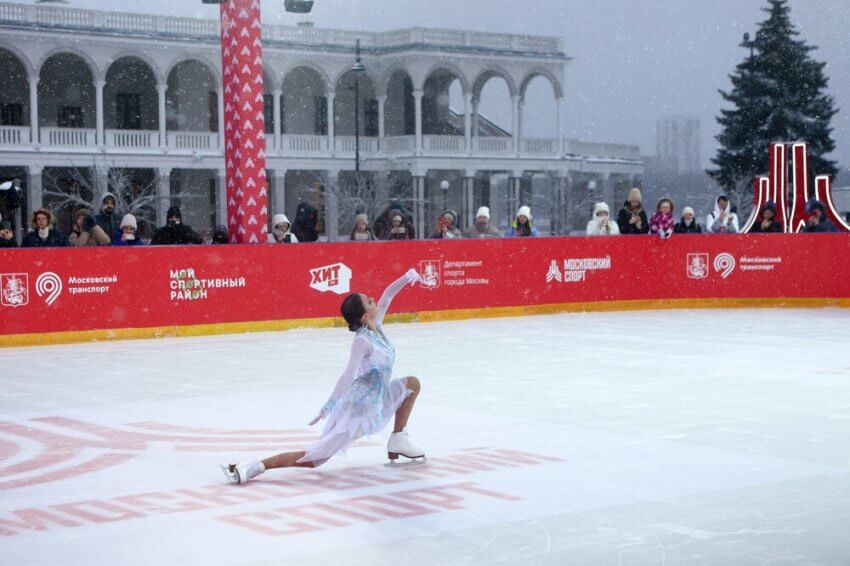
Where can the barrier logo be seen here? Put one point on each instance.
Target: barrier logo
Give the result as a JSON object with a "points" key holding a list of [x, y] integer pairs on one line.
{"points": [[334, 278], [697, 266], [431, 274], [724, 264], [14, 289], [49, 284]]}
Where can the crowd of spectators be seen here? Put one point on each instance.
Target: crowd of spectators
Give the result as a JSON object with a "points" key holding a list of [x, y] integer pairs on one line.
{"points": [[110, 227]]}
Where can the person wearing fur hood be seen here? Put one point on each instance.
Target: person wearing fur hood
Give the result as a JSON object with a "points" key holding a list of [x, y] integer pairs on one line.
{"points": [[722, 220], [662, 222], [601, 223], [281, 231], [43, 234]]}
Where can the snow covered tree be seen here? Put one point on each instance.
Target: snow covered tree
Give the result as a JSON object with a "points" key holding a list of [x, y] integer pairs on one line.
{"points": [[778, 94]]}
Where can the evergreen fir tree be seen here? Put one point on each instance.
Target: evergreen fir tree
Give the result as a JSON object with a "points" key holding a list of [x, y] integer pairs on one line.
{"points": [[777, 95]]}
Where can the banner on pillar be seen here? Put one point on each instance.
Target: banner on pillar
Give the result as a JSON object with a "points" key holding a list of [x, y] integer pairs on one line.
{"points": [[244, 123]]}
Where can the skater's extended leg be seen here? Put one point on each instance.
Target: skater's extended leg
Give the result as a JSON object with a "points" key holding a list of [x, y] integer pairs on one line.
{"points": [[287, 460], [403, 412]]}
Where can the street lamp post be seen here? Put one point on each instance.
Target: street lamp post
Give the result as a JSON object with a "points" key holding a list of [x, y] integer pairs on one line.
{"points": [[358, 69], [444, 185]]}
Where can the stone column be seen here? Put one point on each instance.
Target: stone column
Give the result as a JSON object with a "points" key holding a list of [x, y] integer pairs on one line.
{"points": [[161, 90], [277, 120], [418, 182], [98, 97], [163, 192], [382, 102], [278, 192], [220, 96], [331, 145], [34, 109], [34, 191], [417, 96], [515, 100], [469, 193], [221, 198], [559, 109], [467, 121], [331, 210]]}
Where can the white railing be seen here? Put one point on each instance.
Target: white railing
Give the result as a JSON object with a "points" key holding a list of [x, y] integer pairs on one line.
{"points": [[68, 137], [346, 144], [494, 145], [132, 139], [395, 145], [444, 144], [539, 146], [196, 141], [291, 143], [62, 16], [15, 135], [610, 150]]}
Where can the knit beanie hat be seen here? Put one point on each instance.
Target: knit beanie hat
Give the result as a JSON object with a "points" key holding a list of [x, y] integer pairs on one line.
{"points": [[129, 220], [600, 206], [687, 210], [635, 192], [524, 211], [483, 211]]}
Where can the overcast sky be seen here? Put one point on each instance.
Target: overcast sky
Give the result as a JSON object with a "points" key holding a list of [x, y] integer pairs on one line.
{"points": [[634, 62]]}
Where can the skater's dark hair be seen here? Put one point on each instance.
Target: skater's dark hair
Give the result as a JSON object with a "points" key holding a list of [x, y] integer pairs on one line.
{"points": [[352, 310]]}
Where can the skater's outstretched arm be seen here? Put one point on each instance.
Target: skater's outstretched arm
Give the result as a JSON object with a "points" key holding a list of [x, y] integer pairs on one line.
{"points": [[359, 349], [410, 277]]}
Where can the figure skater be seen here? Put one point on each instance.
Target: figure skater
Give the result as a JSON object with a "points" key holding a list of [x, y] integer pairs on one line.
{"points": [[365, 397]]}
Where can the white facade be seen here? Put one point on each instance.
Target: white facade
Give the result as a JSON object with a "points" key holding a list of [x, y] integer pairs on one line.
{"points": [[144, 92]]}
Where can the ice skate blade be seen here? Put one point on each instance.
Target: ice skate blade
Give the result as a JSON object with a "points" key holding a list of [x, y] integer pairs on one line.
{"points": [[411, 462], [232, 477]]}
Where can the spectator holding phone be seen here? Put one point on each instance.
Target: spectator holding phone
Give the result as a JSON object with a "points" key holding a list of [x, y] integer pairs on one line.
{"points": [[632, 219]]}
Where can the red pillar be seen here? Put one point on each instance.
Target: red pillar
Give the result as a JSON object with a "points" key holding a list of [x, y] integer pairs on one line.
{"points": [[244, 126]]}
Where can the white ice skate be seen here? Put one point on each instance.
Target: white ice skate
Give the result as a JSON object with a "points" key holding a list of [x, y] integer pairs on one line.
{"points": [[400, 445], [243, 471]]}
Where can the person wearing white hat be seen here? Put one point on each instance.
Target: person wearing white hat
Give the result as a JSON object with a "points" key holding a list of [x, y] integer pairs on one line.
{"points": [[128, 235], [601, 223], [281, 233], [482, 227], [522, 227]]}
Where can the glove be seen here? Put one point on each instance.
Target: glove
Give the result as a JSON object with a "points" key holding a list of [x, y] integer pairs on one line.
{"points": [[323, 412], [412, 276], [88, 223]]}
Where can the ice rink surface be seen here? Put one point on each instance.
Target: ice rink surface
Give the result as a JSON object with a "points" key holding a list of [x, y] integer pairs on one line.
{"points": [[686, 437]]}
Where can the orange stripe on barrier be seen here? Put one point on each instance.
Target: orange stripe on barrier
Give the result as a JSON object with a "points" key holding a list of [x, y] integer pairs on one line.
{"points": [[52, 338]]}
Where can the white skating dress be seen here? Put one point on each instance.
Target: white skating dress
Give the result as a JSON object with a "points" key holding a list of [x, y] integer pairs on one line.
{"points": [[365, 397]]}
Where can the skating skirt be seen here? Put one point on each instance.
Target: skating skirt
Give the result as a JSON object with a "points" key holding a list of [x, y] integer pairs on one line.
{"points": [[365, 408]]}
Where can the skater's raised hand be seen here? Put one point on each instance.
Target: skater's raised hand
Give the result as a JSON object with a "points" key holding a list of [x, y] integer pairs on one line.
{"points": [[413, 276]]}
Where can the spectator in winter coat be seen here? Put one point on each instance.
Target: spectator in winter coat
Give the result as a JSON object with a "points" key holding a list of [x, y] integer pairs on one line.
{"points": [[361, 231], [632, 219], [447, 227], [722, 220], [818, 222], [522, 226], [662, 222], [688, 224], [10, 199], [601, 223], [175, 232], [482, 227], [7, 235], [304, 227], [281, 233], [108, 218], [128, 234], [399, 229], [219, 235], [382, 224], [85, 232], [766, 222], [43, 234]]}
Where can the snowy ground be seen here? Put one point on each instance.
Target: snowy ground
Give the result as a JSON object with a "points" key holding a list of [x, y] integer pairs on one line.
{"points": [[705, 437]]}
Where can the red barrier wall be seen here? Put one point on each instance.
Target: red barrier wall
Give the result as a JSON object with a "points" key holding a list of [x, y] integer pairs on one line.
{"points": [[74, 290]]}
